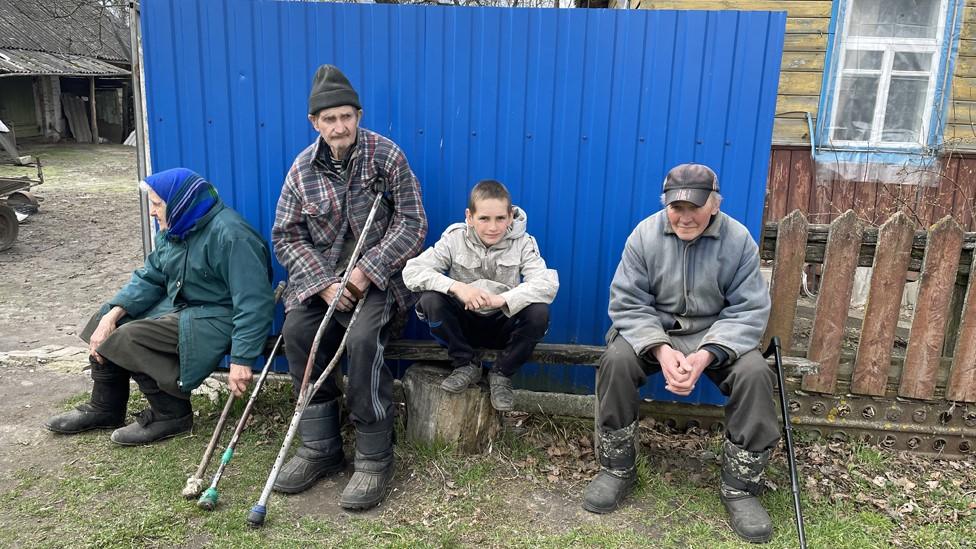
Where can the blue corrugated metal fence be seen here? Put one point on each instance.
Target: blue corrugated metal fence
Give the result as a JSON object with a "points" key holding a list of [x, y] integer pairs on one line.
{"points": [[579, 112]]}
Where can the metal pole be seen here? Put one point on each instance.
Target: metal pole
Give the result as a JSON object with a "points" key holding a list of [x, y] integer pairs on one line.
{"points": [[142, 147]]}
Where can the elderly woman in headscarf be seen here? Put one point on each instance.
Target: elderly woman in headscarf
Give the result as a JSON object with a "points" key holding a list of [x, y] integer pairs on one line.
{"points": [[204, 292]]}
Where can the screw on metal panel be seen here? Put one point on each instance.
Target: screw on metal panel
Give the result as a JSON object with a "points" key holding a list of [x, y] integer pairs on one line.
{"points": [[794, 406], [893, 414], [888, 441], [914, 442], [970, 419], [965, 447], [868, 412], [939, 444], [918, 416], [818, 408], [945, 418], [843, 410]]}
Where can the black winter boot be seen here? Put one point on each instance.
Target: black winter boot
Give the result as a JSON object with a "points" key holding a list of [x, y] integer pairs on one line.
{"points": [[742, 473], [618, 473], [166, 417], [106, 407], [319, 455], [374, 467]]}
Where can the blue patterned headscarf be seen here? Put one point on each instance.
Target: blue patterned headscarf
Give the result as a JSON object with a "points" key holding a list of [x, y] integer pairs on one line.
{"points": [[188, 197]]}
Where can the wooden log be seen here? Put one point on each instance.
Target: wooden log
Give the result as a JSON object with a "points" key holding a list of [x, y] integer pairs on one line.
{"points": [[465, 420], [785, 285], [883, 307], [928, 326], [834, 301], [962, 378]]}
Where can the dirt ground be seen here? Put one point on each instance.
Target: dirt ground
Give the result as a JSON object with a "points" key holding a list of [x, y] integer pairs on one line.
{"points": [[69, 258]]}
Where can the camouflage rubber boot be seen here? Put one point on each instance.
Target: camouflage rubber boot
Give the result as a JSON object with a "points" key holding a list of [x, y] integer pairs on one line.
{"points": [[320, 454], [502, 396], [618, 474], [461, 378], [742, 473]]}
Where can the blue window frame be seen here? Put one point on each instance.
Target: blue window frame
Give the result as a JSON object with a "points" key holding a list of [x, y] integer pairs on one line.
{"points": [[887, 76]]}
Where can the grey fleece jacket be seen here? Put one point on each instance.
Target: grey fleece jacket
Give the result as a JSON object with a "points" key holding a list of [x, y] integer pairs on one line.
{"points": [[689, 294], [512, 268]]}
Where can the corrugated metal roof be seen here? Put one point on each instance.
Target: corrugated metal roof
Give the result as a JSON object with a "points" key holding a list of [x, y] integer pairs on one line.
{"points": [[75, 27], [31, 63], [582, 136]]}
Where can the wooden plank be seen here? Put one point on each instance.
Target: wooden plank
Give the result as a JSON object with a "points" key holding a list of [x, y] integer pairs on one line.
{"points": [[807, 25], [791, 132], [791, 244], [967, 47], [806, 42], [961, 137], [928, 203], [966, 66], [962, 112], [74, 110], [546, 353], [800, 83], [885, 201], [778, 190], [962, 209], [842, 199], [804, 61], [962, 377], [811, 8], [817, 236], [796, 106], [967, 32], [833, 302], [801, 178], [963, 88], [883, 307], [92, 109], [863, 204], [928, 327]]}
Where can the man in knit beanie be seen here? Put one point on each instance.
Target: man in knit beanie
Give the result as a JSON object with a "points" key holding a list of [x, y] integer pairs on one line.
{"points": [[324, 203]]}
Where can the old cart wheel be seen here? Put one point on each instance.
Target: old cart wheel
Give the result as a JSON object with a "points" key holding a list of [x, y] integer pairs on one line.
{"points": [[8, 227]]}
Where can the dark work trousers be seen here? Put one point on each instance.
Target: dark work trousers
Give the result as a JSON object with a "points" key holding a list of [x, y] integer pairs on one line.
{"points": [[461, 331], [148, 349], [369, 387], [750, 413]]}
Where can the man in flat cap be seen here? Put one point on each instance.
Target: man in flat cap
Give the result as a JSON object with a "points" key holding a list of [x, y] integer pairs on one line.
{"points": [[688, 299], [321, 214]]}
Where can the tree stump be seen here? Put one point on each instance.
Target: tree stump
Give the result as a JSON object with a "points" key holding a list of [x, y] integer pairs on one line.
{"points": [[466, 419]]}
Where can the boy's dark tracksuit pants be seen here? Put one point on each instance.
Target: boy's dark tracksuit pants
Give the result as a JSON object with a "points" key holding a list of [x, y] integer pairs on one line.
{"points": [[462, 331]]}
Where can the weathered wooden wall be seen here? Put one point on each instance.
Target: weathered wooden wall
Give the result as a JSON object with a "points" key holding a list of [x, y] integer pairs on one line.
{"points": [[792, 185], [804, 51]]}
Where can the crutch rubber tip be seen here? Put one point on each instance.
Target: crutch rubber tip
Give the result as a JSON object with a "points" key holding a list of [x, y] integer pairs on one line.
{"points": [[255, 518], [192, 488], [208, 501]]}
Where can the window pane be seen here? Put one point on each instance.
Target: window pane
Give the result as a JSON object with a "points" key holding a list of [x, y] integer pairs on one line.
{"points": [[906, 101], [863, 59], [855, 107], [912, 61], [895, 18]]}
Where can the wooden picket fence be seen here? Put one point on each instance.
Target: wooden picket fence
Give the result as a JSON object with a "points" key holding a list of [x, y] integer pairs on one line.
{"points": [[939, 362]]}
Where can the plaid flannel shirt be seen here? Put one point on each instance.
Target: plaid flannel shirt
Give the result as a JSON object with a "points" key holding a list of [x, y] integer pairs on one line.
{"points": [[317, 204]]}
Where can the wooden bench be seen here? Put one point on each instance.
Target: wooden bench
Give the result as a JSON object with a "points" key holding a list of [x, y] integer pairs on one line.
{"points": [[468, 420]]}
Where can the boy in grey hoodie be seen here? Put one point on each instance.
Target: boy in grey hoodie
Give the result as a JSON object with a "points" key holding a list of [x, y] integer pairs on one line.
{"points": [[485, 284]]}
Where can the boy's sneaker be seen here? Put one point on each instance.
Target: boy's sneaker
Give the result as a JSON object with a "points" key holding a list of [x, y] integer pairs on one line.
{"points": [[502, 397], [461, 378]]}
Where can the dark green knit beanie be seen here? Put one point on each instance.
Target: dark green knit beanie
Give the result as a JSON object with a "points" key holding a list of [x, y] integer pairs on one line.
{"points": [[331, 88]]}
